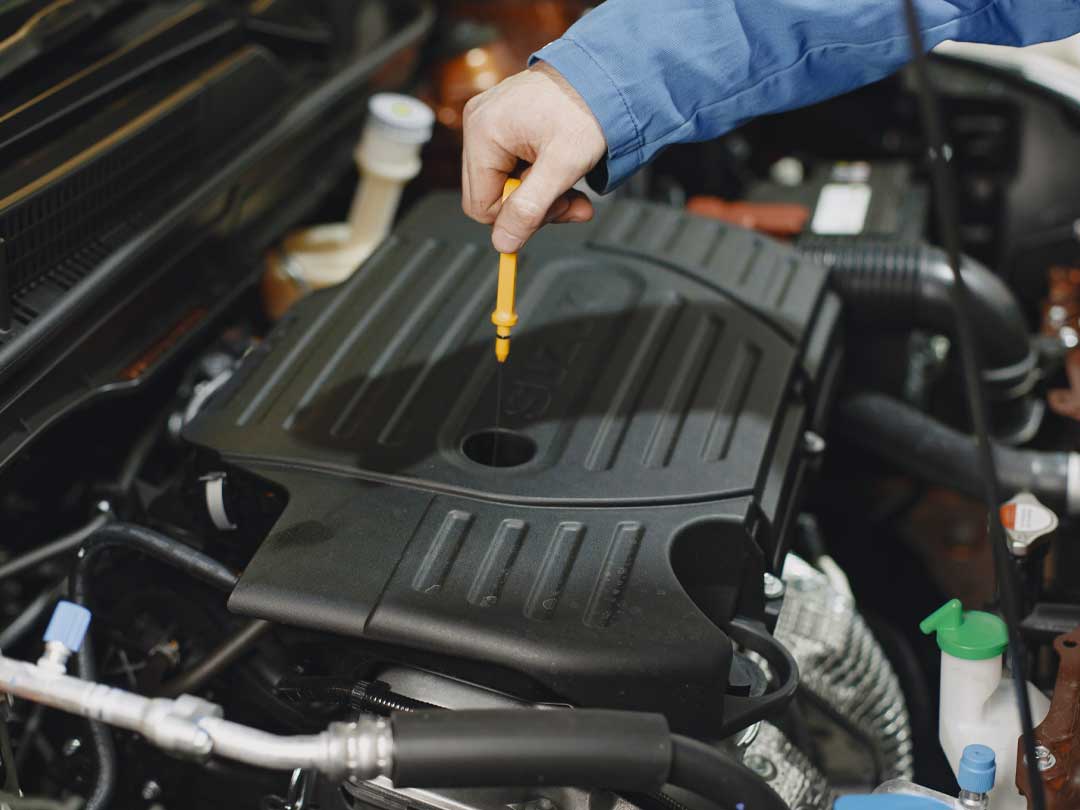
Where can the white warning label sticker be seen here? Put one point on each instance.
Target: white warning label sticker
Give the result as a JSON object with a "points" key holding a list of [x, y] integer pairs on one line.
{"points": [[842, 209], [1026, 517]]}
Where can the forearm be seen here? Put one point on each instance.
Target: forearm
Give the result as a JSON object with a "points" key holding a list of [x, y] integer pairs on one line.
{"points": [[661, 72]]}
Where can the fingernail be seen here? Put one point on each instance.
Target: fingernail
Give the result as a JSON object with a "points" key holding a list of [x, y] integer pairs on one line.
{"points": [[505, 242]]}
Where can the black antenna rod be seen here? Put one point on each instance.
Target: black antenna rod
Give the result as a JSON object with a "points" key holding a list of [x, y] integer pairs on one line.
{"points": [[945, 202]]}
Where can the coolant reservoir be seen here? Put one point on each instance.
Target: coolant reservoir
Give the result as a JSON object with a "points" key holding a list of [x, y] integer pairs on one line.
{"points": [[978, 703], [388, 157]]}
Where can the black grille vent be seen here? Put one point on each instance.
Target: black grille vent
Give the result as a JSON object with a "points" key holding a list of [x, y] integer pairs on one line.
{"points": [[27, 301], [52, 224]]}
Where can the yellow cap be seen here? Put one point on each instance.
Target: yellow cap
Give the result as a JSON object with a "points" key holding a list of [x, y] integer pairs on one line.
{"points": [[504, 317]]}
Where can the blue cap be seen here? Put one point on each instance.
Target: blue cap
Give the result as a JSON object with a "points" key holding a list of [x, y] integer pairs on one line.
{"points": [[68, 625], [888, 801], [977, 769]]}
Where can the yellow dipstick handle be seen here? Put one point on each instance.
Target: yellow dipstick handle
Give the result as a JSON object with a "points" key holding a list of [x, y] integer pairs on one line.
{"points": [[504, 316]]}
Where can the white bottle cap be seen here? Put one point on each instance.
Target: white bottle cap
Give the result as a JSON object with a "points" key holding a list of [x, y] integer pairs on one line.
{"points": [[397, 126], [408, 119]]}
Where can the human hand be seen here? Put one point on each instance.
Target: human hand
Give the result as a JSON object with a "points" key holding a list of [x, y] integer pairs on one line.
{"points": [[535, 116]]}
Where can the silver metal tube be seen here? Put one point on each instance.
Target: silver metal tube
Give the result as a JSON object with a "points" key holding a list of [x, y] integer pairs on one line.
{"points": [[73, 695], [257, 747], [170, 724], [360, 750], [194, 727]]}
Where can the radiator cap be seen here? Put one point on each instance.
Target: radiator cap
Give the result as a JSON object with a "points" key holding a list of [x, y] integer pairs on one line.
{"points": [[971, 634]]}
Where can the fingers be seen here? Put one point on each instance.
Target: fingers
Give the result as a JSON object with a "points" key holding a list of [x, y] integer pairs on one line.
{"points": [[577, 208], [485, 165], [482, 179], [527, 209], [534, 117]]}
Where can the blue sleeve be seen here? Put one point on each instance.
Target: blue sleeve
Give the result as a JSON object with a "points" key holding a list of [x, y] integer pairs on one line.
{"points": [[659, 72]]}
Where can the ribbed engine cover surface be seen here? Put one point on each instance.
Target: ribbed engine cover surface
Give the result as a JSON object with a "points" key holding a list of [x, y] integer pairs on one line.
{"points": [[659, 383]]}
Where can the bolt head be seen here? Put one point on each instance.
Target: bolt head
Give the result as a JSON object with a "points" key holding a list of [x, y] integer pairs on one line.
{"points": [[1044, 758], [773, 586], [813, 444], [939, 347], [760, 765]]}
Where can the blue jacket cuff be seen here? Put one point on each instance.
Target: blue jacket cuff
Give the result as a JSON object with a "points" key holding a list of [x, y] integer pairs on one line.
{"points": [[608, 104]]}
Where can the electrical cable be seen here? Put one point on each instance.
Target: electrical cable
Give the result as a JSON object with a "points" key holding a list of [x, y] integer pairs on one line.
{"points": [[1008, 587], [54, 548], [23, 623], [138, 454]]}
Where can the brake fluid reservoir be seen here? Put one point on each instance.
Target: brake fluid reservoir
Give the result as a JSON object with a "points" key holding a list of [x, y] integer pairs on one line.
{"points": [[978, 703]]}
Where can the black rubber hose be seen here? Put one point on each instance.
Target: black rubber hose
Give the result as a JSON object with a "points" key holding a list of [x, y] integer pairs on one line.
{"points": [[217, 659], [377, 697], [903, 285], [160, 547], [101, 739], [153, 544], [713, 775], [514, 748], [925, 447]]}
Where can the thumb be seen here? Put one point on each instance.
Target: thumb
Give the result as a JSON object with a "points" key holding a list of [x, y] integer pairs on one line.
{"points": [[526, 210]]}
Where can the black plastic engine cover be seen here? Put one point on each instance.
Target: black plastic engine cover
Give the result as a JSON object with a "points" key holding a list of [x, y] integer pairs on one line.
{"points": [[657, 392]]}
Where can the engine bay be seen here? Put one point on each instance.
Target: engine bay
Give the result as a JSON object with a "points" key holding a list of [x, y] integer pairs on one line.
{"points": [[714, 535]]}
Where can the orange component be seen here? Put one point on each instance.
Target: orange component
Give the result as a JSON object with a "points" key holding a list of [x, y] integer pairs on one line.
{"points": [[1061, 308], [1066, 401], [1061, 320], [1057, 738], [522, 26], [468, 75], [145, 361], [782, 220]]}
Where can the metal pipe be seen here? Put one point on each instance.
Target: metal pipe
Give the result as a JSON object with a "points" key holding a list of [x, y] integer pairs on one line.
{"points": [[194, 727], [217, 660], [360, 750]]}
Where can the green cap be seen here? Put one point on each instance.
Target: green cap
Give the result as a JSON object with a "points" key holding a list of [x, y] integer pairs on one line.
{"points": [[970, 634]]}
